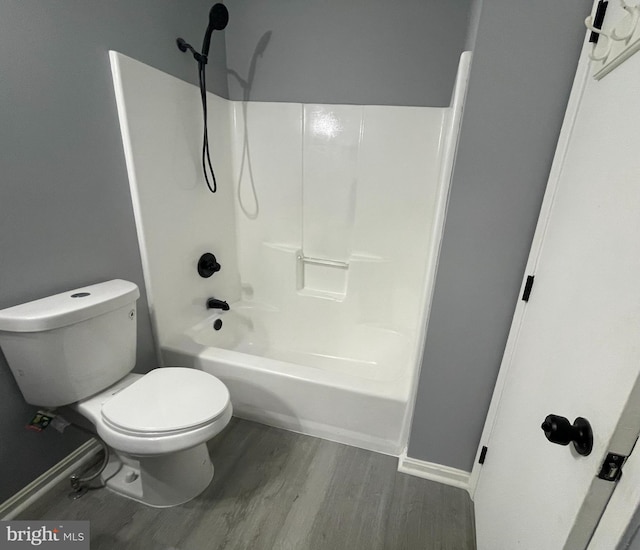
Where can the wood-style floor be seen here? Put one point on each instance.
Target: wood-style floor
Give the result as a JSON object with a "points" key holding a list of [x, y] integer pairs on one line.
{"points": [[275, 489]]}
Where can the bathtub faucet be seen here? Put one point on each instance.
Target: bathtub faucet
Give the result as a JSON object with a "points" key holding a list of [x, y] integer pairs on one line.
{"points": [[213, 303]]}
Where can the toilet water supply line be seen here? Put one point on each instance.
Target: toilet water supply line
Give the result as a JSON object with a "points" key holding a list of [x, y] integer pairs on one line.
{"points": [[80, 484], [218, 19]]}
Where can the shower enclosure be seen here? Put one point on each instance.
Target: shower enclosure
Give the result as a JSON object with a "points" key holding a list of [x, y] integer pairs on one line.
{"points": [[327, 224]]}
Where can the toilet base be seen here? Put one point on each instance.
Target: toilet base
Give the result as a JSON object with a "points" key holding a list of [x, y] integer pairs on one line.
{"points": [[160, 481]]}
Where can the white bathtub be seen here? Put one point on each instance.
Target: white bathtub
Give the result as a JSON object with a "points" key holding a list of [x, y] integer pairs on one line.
{"points": [[345, 383]]}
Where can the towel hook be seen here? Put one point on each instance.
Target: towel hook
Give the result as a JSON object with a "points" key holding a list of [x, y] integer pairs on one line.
{"points": [[632, 15], [605, 53]]}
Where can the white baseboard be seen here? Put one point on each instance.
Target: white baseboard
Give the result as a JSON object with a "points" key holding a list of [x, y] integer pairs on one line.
{"points": [[11, 507], [433, 471]]}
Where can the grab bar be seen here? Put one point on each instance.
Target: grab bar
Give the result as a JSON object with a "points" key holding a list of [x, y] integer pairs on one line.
{"points": [[322, 261]]}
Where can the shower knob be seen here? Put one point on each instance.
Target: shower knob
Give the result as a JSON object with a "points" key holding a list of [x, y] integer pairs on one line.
{"points": [[208, 265]]}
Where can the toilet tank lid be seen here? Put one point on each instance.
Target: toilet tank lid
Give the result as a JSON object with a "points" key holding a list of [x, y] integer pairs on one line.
{"points": [[68, 308]]}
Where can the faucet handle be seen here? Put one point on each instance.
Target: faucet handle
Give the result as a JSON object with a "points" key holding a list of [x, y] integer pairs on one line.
{"points": [[208, 265]]}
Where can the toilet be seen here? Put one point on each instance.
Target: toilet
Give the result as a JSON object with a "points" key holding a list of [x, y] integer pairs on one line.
{"points": [[78, 349]]}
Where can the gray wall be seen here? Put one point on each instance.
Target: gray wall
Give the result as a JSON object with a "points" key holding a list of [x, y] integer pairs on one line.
{"points": [[630, 540], [634, 543], [524, 62], [474, 21], [65, 211], [360, 51]]}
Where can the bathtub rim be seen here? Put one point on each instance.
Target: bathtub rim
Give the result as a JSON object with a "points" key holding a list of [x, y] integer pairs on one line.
{"points": [[397, 390]]}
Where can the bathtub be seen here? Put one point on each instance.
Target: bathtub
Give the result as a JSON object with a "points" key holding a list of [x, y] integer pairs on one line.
{"points": [[343, 381]]}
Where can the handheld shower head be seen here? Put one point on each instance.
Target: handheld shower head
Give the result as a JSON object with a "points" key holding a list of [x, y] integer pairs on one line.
{"points": [[218, 19]]}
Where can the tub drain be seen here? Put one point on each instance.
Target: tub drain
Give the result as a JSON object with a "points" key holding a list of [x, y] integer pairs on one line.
{"points": [[217, 324]]}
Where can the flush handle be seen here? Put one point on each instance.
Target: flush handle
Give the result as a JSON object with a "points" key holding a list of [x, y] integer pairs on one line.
{"points": [[559, 430]]}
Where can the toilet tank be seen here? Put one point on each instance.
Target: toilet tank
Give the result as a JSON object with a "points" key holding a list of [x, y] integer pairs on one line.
{"points": [[69, 346]]}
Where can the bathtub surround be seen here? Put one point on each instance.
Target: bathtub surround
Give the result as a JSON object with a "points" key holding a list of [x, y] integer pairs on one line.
{"points": [[346, 202], [183, 220], [323, 230]]}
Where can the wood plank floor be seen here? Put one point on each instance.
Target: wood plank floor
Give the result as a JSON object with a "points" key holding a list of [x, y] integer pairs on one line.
{"points": [[279, 490]]}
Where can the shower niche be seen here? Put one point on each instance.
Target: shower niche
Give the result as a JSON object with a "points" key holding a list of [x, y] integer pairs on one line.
{"points": [[322, 278]]}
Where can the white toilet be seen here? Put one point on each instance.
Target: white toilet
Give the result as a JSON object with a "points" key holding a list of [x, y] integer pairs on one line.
{"points": [[78, 348]]}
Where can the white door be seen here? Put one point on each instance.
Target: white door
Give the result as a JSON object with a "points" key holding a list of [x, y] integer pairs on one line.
{"points": [[574, 347]]}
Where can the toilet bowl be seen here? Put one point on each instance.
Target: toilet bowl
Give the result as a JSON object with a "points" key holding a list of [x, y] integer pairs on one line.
{"points": [[156, 426], [77, 349]]}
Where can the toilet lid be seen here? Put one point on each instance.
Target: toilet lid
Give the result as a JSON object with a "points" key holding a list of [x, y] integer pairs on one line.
{"points": [[167, 399]]}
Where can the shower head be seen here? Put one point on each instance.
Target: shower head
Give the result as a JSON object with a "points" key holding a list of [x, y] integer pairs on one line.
{"points": [[218, 19]]}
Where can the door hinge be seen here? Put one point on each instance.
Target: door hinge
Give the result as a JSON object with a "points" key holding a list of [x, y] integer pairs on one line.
{"points": [[527, 288], [611, 469], [483, 455]]}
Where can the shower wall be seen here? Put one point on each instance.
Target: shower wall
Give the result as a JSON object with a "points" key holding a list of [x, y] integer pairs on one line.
{"points": [[336, 204], [322, 210], [177, 218]]}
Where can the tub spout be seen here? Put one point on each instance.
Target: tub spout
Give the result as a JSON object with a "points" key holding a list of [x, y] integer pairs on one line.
{"points": [[213, 303]]}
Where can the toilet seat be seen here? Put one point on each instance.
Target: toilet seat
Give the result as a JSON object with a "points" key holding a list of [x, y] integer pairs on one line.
{"points": [[169, 400], [166, 410]]}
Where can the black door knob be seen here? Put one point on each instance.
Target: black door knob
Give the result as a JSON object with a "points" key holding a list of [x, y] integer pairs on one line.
{"points": [[559, 430]]}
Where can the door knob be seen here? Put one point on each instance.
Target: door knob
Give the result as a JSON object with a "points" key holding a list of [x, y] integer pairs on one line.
{"points": [[559, 430]]}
